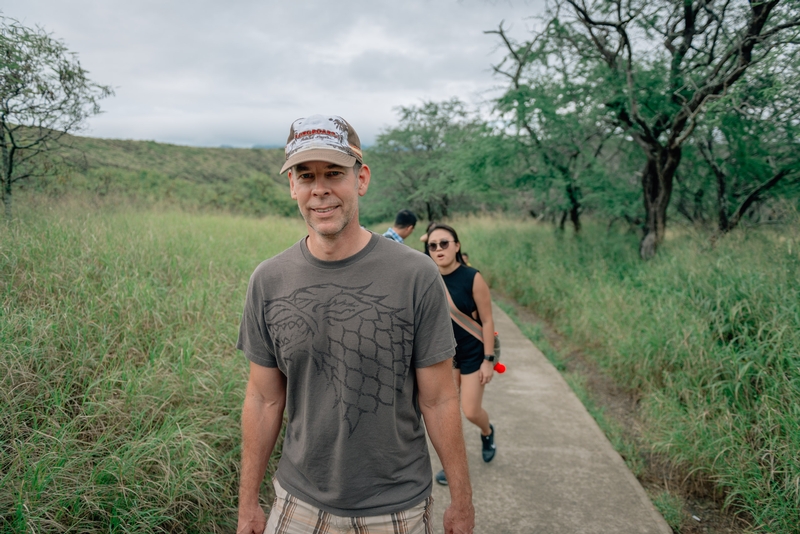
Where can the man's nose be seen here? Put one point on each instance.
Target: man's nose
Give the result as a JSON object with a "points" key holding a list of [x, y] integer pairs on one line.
{"points": [[321, 187]]}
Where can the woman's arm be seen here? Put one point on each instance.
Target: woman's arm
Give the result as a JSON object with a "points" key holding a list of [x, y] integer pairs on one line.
{"points": [[483, 300]]}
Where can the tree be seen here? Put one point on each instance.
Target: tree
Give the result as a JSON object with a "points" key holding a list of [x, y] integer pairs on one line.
{"points": [[44, 94], [431, 162], [751, 142], [661, 63], [549, 104]]}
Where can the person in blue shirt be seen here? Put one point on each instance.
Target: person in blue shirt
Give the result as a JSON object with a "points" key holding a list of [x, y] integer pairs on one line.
{"points": [[404, 224]]}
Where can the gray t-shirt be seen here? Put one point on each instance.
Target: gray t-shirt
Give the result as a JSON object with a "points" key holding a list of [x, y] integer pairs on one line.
{"points": [[348, 335]]}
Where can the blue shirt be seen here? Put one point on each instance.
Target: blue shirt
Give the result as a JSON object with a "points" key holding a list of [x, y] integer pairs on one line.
{"points": [[391, 234]]}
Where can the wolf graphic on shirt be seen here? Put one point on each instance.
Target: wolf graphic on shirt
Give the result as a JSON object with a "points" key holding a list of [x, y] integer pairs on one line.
{"points": [[361, 346]]}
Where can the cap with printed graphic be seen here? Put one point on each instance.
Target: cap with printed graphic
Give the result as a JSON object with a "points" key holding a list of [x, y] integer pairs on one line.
{"points": [[322, 138]]}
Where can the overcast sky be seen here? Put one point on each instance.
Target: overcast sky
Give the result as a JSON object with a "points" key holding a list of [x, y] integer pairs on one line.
{"points": [[238, 72]]}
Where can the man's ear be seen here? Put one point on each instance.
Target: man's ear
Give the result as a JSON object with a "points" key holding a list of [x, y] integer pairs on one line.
{"points": [[291, 183], [363, 177]]}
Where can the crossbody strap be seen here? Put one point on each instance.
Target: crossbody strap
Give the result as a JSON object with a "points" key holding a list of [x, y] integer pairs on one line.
{"points": [[463, 320]]}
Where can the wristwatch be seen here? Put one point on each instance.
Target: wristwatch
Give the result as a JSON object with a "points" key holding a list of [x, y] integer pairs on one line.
{"points": [[489, 357]]}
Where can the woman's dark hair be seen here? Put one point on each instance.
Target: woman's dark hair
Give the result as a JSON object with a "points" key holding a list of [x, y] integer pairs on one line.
{"points": [[452, 232], [428, 231]]}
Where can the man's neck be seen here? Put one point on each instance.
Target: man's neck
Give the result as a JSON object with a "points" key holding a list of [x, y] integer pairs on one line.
{"points": [[403, 232], [347, 243]]}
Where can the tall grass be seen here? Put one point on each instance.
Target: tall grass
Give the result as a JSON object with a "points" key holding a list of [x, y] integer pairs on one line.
{"points": [[120, 388], [710, 338]]}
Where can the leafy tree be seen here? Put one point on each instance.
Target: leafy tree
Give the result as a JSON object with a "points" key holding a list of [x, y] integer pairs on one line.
{"points": [[550, 107], [661, 63], [437, 159], [751, 142], [44, 93]]}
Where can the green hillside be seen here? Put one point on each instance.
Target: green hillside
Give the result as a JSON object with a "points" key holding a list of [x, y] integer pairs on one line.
{"points": [[236, 180], [191, 163]]}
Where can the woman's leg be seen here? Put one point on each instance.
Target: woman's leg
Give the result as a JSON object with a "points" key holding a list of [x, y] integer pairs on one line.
{"points": [[471, 399]]}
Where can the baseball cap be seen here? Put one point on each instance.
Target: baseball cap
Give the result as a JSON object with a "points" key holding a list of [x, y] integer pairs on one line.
{"points": [[322, 138]]}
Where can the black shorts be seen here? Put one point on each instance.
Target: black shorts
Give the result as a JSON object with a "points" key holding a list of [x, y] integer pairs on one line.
{"points": [[467, 364]]}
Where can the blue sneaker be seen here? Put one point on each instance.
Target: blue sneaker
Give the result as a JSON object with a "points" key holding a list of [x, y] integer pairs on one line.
{"points": [[440, 478], [489, 448]]}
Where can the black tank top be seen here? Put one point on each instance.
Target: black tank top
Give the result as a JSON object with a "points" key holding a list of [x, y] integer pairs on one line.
{"points": [[459, 285]]}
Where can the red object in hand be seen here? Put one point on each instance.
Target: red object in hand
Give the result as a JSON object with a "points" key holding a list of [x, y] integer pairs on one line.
{"points": [[499, 368]]}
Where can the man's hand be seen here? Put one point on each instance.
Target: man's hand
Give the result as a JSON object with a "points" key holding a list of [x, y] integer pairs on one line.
{"points": [[251, 520], [459, 519]]}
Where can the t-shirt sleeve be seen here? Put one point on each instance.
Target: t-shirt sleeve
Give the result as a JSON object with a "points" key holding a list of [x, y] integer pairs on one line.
{"points": [[433, 340], [254, 339]]}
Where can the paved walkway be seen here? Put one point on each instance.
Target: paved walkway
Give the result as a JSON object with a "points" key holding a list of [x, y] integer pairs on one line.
{"points": [[555, 472]]}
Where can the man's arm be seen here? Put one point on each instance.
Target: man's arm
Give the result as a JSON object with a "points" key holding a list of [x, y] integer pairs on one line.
{"points": [[262, 416], [438, 399]]}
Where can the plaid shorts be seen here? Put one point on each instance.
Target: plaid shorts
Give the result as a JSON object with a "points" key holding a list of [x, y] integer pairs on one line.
{"points": [[289, 515]]}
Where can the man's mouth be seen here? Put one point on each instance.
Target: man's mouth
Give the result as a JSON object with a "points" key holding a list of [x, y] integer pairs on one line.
{"points": [[327, 209]]}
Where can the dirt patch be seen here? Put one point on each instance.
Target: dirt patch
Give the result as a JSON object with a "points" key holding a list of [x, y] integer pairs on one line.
{"points": [[701, 511]]}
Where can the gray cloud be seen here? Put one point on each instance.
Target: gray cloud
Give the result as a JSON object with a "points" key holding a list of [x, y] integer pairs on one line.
{"points": [[237, 73]]}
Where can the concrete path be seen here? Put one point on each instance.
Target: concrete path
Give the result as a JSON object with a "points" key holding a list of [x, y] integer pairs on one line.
{"points": [[555, 472]]}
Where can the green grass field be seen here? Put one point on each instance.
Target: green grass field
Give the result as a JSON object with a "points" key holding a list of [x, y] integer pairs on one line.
{"points": [[708, 338], [120, 388]]}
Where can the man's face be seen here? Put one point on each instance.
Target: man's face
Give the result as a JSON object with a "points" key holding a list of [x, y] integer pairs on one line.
{"points": [[327, 195]]}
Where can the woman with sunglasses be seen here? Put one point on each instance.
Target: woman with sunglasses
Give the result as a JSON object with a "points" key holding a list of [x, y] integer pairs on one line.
{"points": [[474, 360]]}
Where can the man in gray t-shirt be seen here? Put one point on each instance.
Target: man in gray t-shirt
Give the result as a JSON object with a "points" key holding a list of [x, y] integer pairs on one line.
{"points": [[351, 336]]}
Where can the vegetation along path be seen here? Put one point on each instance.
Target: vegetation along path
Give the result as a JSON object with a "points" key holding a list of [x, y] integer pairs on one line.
{"points": [[555, 471]]}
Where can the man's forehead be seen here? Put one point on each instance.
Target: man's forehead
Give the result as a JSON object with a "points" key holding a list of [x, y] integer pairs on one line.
{"points": [[326, 164]]}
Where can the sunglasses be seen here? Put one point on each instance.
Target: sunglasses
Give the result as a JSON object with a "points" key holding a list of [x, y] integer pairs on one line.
{"points": [[443, 244]]}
